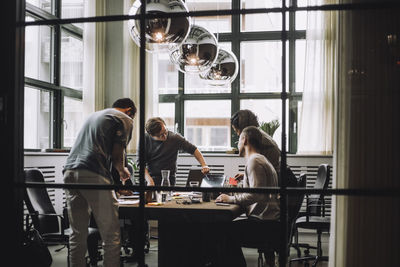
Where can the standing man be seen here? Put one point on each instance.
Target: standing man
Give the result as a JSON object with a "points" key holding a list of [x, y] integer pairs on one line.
{"points": [[161, 153], [259, 208], [101, 142]]}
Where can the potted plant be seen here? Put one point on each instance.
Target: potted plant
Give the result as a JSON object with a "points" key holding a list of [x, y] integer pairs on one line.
{"points": [[270, 127]]}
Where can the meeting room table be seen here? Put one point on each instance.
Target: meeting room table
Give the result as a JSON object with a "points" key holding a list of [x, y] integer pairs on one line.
{"points": [[187, 233]]}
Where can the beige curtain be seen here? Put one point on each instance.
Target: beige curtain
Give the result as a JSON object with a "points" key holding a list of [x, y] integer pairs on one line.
{"points": [[94, 39], [131, 74], [320, 71]]}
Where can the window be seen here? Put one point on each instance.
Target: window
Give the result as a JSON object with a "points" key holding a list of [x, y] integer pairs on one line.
{"points": [[53, 76], [256, 40], [207, 123]]}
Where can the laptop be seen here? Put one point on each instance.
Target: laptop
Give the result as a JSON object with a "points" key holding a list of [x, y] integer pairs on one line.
{"points": [[194, 175], [213, 180]]}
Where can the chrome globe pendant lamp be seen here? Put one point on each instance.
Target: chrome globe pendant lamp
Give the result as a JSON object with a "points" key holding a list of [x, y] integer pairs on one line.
{"points": [[162, 34], [197, 53], [223, 71]]}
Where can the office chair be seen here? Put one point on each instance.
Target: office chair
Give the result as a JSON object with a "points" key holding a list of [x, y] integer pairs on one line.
{"points": [[44, 217], [313, 219], [268, 245]]}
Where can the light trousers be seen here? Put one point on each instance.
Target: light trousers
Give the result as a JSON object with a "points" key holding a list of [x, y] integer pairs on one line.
{"points": [[104, 207]]}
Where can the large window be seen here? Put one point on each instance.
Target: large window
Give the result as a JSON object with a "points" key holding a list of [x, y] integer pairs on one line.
{"points": [[53, 75], [203, 112]]}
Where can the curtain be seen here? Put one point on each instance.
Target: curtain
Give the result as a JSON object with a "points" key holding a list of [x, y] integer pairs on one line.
{"points": [[316, 123], [94, 39], [131, 74]]}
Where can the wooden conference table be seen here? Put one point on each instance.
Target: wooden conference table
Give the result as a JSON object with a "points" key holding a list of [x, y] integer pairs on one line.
{"points": [[185, 230]]}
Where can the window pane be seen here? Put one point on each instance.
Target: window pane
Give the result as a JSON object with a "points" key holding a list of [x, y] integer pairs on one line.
{"points": [[207, 124], [38, 52], [195, 85], [266, 111], [71, 61], [300, 64], [167, 74], [167, 112], [261, 22], [43, 4], [301, 20], [73, 119], [260, 66], [73, 9], [37, 119], [215, 24]]}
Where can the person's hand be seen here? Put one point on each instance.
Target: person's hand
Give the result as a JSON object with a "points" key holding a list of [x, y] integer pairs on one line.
{"points": [[222, 198], [205, 169], [239, 177], [124, 175]]}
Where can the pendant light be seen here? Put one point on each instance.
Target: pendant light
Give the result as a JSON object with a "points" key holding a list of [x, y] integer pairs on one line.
{"points": [[197, 53], [223, 71], [162, 34]]}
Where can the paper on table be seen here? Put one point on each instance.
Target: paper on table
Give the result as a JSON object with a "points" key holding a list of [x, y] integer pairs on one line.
{"points": [[128, 202]]}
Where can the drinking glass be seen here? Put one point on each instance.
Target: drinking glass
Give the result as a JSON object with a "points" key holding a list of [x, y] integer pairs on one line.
{"points": [[165, 195]]}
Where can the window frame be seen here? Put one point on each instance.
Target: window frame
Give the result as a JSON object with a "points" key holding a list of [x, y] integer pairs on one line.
{"points": [[236, 37], [58, 92]]}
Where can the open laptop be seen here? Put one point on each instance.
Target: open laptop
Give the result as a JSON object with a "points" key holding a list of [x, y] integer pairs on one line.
{"points": [[213, 180], [194, 175]]}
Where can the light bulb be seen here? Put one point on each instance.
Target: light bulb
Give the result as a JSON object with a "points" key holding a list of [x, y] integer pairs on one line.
{"points": [[223, 71], [197, 52], [162, 34]]}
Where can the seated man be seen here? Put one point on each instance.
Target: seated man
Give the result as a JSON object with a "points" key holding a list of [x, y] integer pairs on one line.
{"points": [[259, 208], [161, 152]]}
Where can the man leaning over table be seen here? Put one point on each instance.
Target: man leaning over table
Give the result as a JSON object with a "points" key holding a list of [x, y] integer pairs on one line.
{"points": [[259, 208], [161, 153], [101, 142]]}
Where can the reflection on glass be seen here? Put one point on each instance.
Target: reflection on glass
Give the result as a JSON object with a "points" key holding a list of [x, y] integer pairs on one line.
{"points": [[73, 119], [73, 9], [167, 112], [266, 111], [38, 57], [216, 24], [37, 119], [42, 4], [207, 124], [167, 74], [260, 66], [264, 21], [71, 61]]}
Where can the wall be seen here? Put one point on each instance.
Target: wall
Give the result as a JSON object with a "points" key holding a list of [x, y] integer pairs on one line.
{"points": [[367, 228]]}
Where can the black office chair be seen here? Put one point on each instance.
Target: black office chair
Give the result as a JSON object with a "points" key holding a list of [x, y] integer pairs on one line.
{"points": [[273, 244], [313, 218], [52, 227]]}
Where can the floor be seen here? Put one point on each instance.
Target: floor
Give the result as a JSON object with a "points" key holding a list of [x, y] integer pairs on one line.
{"points": [[251, 255]]}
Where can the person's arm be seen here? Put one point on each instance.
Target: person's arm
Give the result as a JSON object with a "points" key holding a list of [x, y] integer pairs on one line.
{"points": [[149, 179], [118, 157], [199, 157]]}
